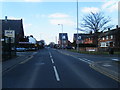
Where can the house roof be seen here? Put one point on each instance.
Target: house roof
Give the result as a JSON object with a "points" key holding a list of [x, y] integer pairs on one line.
{"points": [[13, 25], [110, 32], [63, 36]]}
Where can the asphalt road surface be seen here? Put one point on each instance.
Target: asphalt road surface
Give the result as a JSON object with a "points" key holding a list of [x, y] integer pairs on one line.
{"points": [[51, 68]]}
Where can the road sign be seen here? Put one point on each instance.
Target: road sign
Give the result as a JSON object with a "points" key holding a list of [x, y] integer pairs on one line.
{"points": [[10, 33], [77, 42]]}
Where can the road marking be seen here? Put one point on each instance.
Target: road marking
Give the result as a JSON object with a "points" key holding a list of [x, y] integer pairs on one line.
{"points": [[115, 59], [26, 60], [86, 60], [50, 55], [34, 53], [56, 74], [81, 59], [52, 60]]}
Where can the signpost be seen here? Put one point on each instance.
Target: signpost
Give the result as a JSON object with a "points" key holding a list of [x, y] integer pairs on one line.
{"points": [[10, 35]]}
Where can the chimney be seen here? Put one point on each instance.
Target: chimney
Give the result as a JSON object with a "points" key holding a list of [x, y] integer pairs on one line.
{"points": [[116, 26], [5, 18]]}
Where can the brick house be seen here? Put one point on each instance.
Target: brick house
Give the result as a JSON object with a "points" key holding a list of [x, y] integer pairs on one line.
{"points": [[80, 38], [110, 38]]}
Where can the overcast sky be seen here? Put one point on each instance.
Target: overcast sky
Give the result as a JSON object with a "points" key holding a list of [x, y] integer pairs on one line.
{"points": [[41, 18]]}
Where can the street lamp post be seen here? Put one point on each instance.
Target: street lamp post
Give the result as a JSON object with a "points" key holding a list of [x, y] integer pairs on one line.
{"points": [[77, 28], [62, 34]]}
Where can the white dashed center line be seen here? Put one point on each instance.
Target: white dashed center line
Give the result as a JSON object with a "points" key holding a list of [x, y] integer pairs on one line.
{"points": [[55, 70], [56, 74]]}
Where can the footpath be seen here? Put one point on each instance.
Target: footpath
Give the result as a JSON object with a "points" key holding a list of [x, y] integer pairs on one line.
{"points": [[21, 56], [108, 68]]}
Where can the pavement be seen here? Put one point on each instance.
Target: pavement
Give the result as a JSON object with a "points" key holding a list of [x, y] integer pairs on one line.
{"points": [[108, 68], [21, 56]]}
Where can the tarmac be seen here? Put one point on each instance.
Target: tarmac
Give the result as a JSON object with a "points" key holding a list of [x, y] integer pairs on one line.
{"points": [[108, 68], [21, 56]]}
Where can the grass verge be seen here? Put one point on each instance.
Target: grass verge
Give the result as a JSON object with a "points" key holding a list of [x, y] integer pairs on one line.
{"points": [[95, 52]]}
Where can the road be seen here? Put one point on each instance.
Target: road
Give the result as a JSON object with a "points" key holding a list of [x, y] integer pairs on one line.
{"points": [[51, 68]]}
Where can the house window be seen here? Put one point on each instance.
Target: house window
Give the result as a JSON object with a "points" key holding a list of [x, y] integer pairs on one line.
{"points": [[107, 37], [79, 37], [107, 44], [103, 38], [103, 44], [64, 42], [111, 36], [63, 37]]}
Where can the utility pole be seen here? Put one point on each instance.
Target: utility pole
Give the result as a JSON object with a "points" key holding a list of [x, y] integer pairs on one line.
{"points": [[77, 29]]}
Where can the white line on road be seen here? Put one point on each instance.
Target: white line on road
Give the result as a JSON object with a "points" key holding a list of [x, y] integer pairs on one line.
{"points": [[52, 60], [86, 60], [115, 59], [56, 74], [26, 60], [50, 55]]}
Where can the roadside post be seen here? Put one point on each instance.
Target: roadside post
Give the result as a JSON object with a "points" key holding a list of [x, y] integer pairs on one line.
{"points": [[10, 38]]}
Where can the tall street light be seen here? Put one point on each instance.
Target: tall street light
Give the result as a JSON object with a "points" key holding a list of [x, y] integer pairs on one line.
{"points": [[77, 28], [62, 34]]}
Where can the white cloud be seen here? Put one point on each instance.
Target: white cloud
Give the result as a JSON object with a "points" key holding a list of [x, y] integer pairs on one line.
{"points": [[110, 6], [90, 9], [62, 21], [58, 15]]}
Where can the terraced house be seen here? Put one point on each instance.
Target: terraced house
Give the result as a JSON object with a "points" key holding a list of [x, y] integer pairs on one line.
{"points": [[110, 38]]}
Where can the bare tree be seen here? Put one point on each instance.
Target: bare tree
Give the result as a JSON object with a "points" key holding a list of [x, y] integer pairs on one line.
{"points": [[96, 21]]}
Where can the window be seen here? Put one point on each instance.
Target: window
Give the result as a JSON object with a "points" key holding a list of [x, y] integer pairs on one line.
{"points": [[103, 38], [111, 36], [107, 37], [103, 44], [63, 37], [79, 37]]}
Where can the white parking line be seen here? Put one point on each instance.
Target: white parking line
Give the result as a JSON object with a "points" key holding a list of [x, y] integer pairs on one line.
{"points": [[56, 74]]}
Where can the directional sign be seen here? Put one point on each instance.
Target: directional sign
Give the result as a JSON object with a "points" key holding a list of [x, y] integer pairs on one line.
{"points": [[10, 33]]}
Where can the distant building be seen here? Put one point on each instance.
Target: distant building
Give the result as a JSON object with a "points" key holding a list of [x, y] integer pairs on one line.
{"points": [[16, 25], [63, 40]]}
